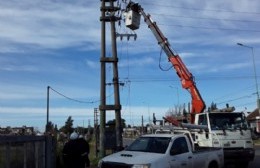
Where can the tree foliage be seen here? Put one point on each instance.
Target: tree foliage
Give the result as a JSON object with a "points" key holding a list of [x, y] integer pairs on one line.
{"points": [[213, 106], [68, 127], [112, 123], [51, 128]]}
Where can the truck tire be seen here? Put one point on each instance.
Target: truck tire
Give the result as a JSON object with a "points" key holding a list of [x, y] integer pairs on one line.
{"points": [[213, 164]]}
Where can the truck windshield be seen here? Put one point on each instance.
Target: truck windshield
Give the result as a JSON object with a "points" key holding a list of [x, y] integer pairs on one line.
{"points": [[230, 121], [150, 144]]}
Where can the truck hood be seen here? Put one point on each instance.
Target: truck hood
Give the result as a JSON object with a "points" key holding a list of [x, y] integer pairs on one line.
{"points": [[133, 157]]}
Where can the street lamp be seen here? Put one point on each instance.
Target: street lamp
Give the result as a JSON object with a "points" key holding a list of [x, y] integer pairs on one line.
{"points": [[256, 83], [177, 91], [148, 106]]}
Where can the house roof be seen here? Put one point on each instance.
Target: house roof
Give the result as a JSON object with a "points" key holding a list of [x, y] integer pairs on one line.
{"points": [[253, 115]]}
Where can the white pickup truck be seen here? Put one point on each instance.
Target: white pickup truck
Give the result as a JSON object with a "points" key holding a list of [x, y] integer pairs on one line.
{"points": [[164, 151]]}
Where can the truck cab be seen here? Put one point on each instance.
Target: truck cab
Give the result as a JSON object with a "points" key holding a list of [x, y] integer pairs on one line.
{"points": [[229, 130]]}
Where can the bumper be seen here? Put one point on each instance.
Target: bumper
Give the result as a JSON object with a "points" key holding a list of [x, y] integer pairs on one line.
{"points": [[239, 155], [114, 165]]}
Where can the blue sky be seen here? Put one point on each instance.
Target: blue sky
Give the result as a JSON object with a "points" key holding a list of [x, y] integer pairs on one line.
{"points": [[57, 43]]}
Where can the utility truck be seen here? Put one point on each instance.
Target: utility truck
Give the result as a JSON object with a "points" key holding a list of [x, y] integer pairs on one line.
{"points": [[229, 130], [233, 135], [164, 151]]}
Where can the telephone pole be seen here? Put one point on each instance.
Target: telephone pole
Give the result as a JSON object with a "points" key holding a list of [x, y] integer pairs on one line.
{"points": [[108, 10], [48, 107]]}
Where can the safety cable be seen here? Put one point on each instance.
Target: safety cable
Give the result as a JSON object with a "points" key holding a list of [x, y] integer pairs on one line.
{"points": [[160, 58]]}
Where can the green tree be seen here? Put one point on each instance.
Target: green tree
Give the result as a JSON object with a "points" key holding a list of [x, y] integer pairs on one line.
{"points": [[213, 106], [49, 127], [112, 123], [68, 127]]}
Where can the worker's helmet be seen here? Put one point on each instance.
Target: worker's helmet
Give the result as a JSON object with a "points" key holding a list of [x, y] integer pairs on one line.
{"points": [[74, 136]]}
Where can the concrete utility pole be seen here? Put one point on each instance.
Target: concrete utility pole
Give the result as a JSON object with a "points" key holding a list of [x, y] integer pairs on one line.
{"points": [[48, 102], [108, 11], [95, 129]]}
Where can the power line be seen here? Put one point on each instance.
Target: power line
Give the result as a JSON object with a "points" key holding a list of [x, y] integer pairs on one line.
{"points": [[235, 99], [224, 78], [75, 100], [211, 28], [197, 79], [203, 18], [214, 19], [246, 104], [234, 93], [199, 9]]}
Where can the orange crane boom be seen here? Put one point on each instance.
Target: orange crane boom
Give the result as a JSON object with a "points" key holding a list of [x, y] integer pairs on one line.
{"points": [[186, 78]]}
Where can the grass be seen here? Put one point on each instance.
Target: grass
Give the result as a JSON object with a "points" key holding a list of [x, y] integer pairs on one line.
{"points": [[92, 154], [257, 142]]}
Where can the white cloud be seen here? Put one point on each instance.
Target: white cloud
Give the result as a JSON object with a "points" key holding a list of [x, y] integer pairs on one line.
{"points": [[48, 24], [14, 92], [92, 64], [46, 43], [137, 62], [235, 66], [18, 92]]}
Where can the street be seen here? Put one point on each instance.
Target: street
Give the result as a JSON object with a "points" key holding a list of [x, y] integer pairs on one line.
{"points": [[256, 162]]}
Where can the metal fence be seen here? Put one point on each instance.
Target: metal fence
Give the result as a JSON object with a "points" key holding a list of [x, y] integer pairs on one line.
{"points": [[27, 152]]}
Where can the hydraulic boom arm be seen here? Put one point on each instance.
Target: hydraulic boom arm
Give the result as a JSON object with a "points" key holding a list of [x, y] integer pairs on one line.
{"points": [[187, 79]]}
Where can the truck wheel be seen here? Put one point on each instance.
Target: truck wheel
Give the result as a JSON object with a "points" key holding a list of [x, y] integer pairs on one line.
{"points": [[213, 165]]}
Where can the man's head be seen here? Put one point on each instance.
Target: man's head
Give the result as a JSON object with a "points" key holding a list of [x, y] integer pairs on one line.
{"points": [[74, 136]]}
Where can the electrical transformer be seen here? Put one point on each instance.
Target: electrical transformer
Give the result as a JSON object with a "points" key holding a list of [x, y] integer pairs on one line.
{"points": [[132, 19]]}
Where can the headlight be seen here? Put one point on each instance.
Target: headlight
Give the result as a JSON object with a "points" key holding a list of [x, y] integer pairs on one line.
{"points": [[141, 166]]}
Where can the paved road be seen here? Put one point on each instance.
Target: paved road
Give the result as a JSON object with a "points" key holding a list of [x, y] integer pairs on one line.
{"points": [[256, 162]]}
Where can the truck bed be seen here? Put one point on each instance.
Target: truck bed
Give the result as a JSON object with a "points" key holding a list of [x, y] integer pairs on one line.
{"points": [[203, 149]]}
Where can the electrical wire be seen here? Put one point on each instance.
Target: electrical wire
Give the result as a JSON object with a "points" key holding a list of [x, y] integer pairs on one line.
{"points": [[75, 100], [213, 78], [211, 28], [202, 18], [234, 93], [214, 19], [199, 9], [231, 100], [245, 104]]}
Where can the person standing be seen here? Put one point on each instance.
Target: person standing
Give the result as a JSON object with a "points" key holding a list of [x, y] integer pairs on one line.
{"points": [[75, 152], [85, 150]]}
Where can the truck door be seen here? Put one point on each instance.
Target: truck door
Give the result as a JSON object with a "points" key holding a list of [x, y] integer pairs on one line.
{"points": [[181, 156]]}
